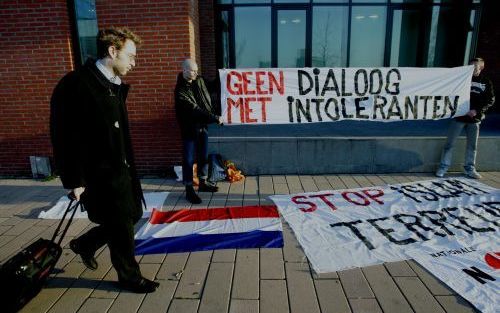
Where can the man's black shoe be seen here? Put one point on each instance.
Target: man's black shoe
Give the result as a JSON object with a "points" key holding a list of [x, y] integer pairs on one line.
{"points": [[207, 187], [191, 195], [87, 259], [143, 285]]}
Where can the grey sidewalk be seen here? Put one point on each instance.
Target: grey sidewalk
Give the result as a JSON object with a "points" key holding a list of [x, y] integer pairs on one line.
{"points": [[241, 280]]}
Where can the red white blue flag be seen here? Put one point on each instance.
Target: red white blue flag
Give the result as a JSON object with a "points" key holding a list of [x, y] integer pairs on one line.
{"points": [[209, 229]]}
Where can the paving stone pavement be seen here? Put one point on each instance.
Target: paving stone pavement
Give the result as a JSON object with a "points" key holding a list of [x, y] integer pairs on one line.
{"points": [[233, 280]]}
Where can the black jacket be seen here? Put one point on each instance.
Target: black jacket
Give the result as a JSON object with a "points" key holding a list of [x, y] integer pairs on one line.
{"points": [[482, 96], [92, 146], [193, 106]]}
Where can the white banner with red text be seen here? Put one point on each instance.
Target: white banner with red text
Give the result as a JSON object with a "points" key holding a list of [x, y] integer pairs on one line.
{"points": [[342, 229], [310, 95], [471, 271]]}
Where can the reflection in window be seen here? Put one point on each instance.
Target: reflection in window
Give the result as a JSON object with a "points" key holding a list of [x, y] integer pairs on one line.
{"points": [[252, 27], [451, 35], [251, 1], [86, 27], [406, 1], [291, 1], [405, 37], [330, 1], [224, 28], [447, 37], [291, 38], [329, 37], [470, 34], [369, 1], [367, 36], [352, 33]]}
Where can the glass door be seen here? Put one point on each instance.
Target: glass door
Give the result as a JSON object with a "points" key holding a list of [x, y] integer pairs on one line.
{"points": [[406, 38], [291, 32]]}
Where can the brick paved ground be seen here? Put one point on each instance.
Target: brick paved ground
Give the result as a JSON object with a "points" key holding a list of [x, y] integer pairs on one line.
{"points": [[241, 280]]}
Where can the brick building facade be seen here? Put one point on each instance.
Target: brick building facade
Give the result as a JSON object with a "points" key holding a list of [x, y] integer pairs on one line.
{"points": [[36, 51]]}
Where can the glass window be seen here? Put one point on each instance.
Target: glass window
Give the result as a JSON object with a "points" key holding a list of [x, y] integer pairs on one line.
{"points": [[432, 36], [367, 36], [346, 32], [330, 1], [86, 27], [406, 1], [329, 37], [369, 1], [291, 38], [252, 28], [470, 35], [449, 38], [224, 29], [291, 1], [405, 37], [251, 1]]}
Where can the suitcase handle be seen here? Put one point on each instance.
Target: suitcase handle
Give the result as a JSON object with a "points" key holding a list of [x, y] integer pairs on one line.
{"points": [[68, 209]]}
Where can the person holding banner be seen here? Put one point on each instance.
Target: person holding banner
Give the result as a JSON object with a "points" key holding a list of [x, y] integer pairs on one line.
{"points": [[194, 111], [482, 97], [93, 154]]}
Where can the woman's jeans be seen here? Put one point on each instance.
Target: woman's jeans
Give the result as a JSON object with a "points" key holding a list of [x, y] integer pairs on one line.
{"points": [[191, 147], [472, 134]]}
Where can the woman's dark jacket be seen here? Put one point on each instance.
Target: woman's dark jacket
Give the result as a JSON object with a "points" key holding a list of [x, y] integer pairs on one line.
{"points": [[193, 106], [92, 146]]}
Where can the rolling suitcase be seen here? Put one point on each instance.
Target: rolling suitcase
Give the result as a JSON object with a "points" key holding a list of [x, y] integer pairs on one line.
{"points": [[23, 275]]}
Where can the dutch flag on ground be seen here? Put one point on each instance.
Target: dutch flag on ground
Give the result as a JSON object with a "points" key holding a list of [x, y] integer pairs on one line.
{"points": [[209, 229]]}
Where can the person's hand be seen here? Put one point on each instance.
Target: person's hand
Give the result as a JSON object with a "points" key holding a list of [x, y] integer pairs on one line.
{"points": [[77, 192], [220, 121], [472, 113]]}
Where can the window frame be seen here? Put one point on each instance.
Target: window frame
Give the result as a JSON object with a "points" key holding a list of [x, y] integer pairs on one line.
{"points": [[75, 34], [308, 7]]}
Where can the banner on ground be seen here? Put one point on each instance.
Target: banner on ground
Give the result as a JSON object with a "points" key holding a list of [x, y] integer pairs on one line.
{"points": [[342, 229], [154, 200], [209, 229], [309, 95], [472, 271]]}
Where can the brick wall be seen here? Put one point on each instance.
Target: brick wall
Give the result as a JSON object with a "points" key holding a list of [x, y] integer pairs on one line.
{"points": [[207, 39], [35, 52], [194, 31]]}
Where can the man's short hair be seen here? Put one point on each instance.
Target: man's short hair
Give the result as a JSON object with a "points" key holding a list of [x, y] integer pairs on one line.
{"points": [[477, 60], [114, 36]]}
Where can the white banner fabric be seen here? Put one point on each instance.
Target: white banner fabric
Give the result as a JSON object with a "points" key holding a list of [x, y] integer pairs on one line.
{"points": [[310, 95], [154, 200], [472, 271], [342, 229]]}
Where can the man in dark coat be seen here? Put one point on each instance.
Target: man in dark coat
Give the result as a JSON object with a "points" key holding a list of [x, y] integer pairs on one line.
{"points": [[482, 97], [194, 111], [93, 154]]}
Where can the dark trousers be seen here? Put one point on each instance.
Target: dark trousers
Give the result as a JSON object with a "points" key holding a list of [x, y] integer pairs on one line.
{"points": [[195, 148], [119, 236]]}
